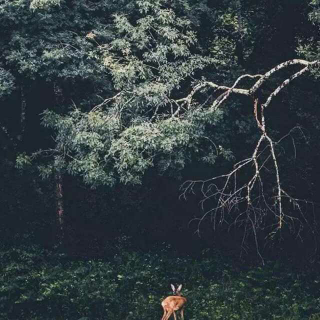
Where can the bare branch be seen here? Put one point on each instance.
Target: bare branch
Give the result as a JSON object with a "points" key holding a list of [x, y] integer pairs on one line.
{"points": [[251, 91], [225, 190]]}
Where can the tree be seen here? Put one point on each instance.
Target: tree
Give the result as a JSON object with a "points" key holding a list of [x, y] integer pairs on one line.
{"points": [[230, 194], [120, 138], [46, 62]]}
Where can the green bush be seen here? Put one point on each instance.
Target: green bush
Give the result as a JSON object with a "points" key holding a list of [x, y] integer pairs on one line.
{"points": [[37, 284]]}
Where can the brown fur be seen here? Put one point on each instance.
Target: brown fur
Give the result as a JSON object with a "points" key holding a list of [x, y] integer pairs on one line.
{"points": [[172, 304]]}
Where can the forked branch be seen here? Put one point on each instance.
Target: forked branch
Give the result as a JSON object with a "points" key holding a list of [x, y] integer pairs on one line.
{"points": [[248, 198]]}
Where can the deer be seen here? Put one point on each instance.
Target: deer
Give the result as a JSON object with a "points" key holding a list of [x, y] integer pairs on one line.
{"points": [[173, 303]]}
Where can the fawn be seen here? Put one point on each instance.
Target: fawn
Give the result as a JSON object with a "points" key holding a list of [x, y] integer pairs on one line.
{"points": [[173, 303]]}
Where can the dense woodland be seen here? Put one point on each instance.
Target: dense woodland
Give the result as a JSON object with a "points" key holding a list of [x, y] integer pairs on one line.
{"points": [[152, 142]]}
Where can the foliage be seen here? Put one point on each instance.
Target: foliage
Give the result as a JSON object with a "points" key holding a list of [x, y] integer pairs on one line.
{"points": [[41, 43], [6, 82], [140, 126], [37, 284], [44, 4], [309, 46]]}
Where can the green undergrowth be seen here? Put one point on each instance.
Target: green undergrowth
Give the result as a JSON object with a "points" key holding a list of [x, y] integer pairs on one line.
{"points": [[37, 284]]}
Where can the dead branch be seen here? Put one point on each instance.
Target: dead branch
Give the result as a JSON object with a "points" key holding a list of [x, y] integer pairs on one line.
{"points": [[225, 190]]}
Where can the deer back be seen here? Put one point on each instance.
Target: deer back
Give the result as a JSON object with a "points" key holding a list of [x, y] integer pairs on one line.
{"points": [[173, 302]]}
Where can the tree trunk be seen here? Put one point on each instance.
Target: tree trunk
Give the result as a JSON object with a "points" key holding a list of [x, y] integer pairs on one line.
{"points": [[239, 42], [60, 203], [22, 114]]}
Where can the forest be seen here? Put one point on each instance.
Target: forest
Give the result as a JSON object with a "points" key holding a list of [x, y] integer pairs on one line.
{"points": [[151, 143]]}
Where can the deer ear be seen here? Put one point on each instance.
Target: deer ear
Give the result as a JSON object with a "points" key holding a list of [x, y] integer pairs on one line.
{"points": [[179, 288], [173, 288]]}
